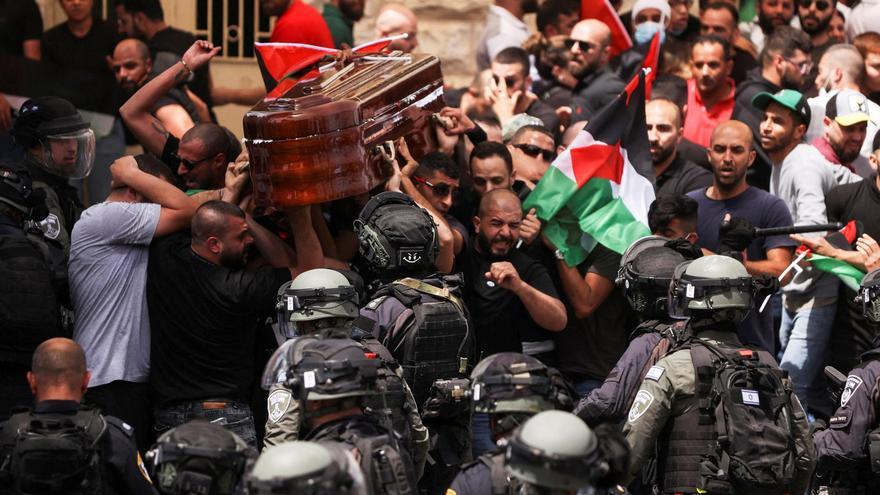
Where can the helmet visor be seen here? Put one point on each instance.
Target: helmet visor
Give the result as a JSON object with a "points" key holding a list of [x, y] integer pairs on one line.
{"points": [[70, 155], [277, 370]]}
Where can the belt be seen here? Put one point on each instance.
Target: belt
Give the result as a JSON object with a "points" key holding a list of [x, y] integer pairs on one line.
{"points": [[215, 404]]}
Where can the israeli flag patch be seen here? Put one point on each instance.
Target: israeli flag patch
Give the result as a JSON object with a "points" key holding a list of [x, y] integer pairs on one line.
{"points": [[655, 373]]}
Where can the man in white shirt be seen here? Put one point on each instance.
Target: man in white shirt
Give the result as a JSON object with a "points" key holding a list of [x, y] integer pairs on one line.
{"points": [[504, 28]]}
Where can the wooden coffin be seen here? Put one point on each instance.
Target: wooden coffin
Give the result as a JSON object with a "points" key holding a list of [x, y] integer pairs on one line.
{"points": [[321, 139]]}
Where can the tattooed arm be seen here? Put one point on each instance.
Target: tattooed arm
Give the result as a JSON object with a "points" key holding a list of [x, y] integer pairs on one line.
{"points": [[148, 130]]}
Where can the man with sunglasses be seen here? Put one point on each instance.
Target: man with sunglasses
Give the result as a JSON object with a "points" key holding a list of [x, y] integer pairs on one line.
{"points": [[200, 156], [437, 180], [815, 17], [590, 45]]}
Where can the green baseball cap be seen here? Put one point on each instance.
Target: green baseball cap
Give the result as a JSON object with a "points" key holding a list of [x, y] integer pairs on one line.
{"points": [[789, 98]]}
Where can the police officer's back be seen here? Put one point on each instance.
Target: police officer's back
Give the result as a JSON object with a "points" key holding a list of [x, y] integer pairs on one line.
{"points": [[848, 447], [646, 269], [200, 458], [510, 387], [323, 303], [333, 380], [60, 447], [718, 412]]}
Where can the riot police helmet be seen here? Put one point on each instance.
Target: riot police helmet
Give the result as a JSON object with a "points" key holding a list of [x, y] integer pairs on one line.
{"points": [[511, 382], [869, 296], [716, 287], [396, 237], [320, 296], [554, 450], [65, 144], [304, 468], [646, 269], [199, 458]]}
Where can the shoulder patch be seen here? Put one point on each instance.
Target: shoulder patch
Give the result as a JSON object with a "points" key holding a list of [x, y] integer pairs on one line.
{"points": [[279, 401], [640, 405], [655, 373], [375, 303], [839, 421], [853, 383], [50, 226]]}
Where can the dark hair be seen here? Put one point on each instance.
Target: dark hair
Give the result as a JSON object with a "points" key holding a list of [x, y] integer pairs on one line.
{"points": [[514, 55], [149, 164], [711, 39], [150, 8], [670, 87], [216, 139], [784, 41], [210, 219], [488, 149], [552, 54], [875, 144], [549, 12], [487, 116], [667, 208], [437, 161], [734, 13]]}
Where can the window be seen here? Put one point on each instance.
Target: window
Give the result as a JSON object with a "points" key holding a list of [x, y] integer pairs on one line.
{"points": [[232, 24]]}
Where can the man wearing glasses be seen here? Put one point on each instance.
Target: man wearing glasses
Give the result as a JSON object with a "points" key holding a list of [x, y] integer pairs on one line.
{"points": [[590, 45], [785, 62]]}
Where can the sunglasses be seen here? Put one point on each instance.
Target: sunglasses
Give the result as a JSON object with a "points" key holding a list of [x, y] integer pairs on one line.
{"points": [[441, 190], [533, 151], [583, 46], [189, 165], [820, 4]]}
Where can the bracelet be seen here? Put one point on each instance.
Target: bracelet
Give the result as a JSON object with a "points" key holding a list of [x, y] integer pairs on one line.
{"points": [[185, 66]]}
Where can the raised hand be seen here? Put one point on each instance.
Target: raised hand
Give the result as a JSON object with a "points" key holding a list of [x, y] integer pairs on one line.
{"points": [[199, 54]]}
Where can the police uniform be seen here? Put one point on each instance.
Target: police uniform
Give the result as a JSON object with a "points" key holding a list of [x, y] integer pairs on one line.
{"points": [[611, 401], [484, 476], [667, 396], [285, 421], [123, 470], [842, 449]]}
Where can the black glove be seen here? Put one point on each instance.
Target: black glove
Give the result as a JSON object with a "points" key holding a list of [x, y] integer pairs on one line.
{"points": [[684, 248], [735, 235]]}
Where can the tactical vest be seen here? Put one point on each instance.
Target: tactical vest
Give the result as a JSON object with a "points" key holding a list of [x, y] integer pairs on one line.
{"points": [[389, 405], [431, 338], [53, 453], [33, 271], [386, 466], [673, 336]]}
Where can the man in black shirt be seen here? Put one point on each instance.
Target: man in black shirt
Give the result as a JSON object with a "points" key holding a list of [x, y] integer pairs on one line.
{"points": [[20, 28], [82, 42], [145, 19], [675, 174], [510, 93], [205, 310], [510, 296]]}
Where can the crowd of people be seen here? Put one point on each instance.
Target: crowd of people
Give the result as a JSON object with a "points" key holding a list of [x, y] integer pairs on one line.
{"points": [[158, 329]]}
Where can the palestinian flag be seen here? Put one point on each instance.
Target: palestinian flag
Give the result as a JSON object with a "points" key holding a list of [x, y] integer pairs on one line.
{"points": [[282, 65], [844, 239], [602, 10], [599, 189], [652, 60]]}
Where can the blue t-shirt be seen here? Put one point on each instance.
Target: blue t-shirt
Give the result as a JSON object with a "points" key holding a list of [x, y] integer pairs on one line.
{"points": [[763, 210]]}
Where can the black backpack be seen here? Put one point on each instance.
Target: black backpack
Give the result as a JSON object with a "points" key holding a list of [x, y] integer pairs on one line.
{"points": [[386, 467], [431, 337], [54, 453], [747, 398]]}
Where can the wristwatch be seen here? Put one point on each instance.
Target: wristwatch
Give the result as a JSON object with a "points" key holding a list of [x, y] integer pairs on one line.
{"points": [[559, 255]]}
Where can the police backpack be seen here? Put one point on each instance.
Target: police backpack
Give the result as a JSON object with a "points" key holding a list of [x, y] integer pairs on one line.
{"points": [[746, 397], [431, 337], [387, 469], [54, 453]]}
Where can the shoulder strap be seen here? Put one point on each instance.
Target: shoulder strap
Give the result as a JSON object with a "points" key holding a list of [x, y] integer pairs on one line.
{"points": [[438, 292], [495, 462], [705, 364]]}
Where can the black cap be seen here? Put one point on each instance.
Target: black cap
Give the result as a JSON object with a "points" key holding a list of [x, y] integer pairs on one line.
{"points": [[45, 116]]}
